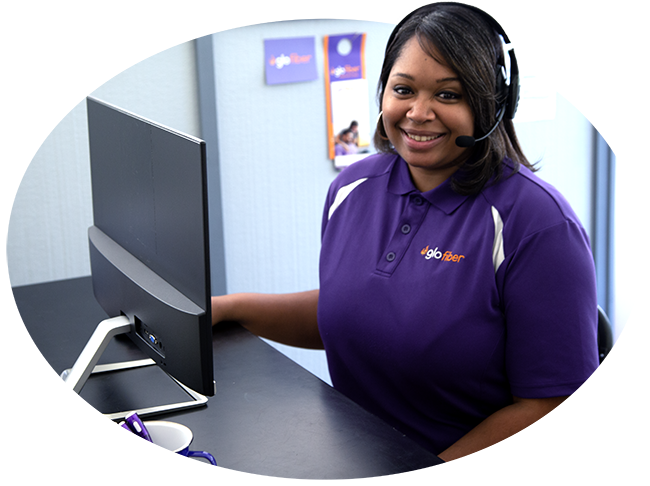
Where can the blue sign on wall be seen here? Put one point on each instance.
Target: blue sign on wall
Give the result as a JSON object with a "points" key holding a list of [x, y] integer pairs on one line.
{"points": [[290, 60]]}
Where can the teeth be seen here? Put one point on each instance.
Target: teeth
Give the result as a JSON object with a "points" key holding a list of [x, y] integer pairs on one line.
{"points": [[418, 138]]}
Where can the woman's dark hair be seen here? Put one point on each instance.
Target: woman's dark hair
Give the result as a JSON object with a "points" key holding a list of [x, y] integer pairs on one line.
{"points": [[471, 48], [346, 131]]}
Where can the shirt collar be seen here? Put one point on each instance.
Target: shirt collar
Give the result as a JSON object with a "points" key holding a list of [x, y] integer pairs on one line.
{"points": [[443, 197]]}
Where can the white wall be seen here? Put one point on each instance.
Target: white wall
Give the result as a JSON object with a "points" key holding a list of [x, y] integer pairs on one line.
{"points": [[141, 57]]}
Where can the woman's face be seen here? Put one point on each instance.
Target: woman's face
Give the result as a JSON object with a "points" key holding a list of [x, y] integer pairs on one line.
{"points": [[424, 110]]}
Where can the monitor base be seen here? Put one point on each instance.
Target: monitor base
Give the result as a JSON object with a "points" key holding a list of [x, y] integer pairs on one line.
{"points": [[86, 365]]}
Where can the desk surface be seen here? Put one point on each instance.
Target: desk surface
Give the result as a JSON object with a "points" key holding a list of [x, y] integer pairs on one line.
{"points": [[269, 416]]}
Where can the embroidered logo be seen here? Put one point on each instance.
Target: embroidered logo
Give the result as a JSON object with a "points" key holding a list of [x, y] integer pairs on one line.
{"points": [[447, 256]]}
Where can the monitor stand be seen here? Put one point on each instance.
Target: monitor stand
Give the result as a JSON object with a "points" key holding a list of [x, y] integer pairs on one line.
{"points": [[86, 365]]}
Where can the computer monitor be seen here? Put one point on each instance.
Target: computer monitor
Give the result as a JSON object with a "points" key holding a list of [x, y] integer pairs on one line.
{"points": [[149, 246]]}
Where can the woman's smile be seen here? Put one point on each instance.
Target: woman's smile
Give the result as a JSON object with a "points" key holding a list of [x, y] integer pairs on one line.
{"points": [[419, 138]]}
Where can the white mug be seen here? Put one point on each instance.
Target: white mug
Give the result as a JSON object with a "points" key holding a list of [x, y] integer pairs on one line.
{"points": [[176, 438]]}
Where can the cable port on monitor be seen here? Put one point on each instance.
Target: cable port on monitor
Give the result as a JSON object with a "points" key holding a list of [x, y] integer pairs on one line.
{"points": [[149, 337]]}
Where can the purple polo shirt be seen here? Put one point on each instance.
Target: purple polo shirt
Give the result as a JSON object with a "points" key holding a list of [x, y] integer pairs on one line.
{"points": [[436, 308]]}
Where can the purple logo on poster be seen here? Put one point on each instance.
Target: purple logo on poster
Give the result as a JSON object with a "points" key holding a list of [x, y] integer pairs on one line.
{"points": [[290, 60]]}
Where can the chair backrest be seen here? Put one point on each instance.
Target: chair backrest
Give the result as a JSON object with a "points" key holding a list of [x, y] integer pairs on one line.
{"points": [[605, 337]]}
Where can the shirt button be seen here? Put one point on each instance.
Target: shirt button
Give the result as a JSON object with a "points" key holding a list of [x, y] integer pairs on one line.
{"points": [[406, 229], [391, 256], [418, 201]]}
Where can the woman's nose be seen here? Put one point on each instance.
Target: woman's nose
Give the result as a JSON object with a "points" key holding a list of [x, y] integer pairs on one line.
{"points": [[421, 111]]}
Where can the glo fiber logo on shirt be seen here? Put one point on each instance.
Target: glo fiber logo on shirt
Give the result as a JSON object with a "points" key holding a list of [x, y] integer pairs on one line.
{"points": [[447, 256]]}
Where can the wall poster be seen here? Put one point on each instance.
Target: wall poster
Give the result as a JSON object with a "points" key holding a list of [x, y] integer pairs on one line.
{"points": [[291, 60], [346, 92]]}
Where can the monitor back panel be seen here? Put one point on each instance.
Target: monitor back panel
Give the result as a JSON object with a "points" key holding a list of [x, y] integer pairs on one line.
{"points": [[150, 208]]}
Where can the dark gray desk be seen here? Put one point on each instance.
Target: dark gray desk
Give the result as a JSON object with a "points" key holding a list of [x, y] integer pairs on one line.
{"points": [[269, 416]]}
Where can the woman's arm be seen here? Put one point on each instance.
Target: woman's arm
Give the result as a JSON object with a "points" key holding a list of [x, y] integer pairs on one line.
{"points": [[521, 441], [285, 318]]}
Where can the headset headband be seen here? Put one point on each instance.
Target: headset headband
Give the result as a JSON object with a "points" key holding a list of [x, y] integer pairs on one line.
{"points": [[494, 23]]}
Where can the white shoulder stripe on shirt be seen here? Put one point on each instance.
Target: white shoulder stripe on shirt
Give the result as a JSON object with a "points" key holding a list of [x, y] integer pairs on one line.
{"points": [[342, 194], [498, 254]]}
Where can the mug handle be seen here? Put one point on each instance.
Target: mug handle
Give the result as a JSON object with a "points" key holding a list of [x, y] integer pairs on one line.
{"points": [[202, 454]]}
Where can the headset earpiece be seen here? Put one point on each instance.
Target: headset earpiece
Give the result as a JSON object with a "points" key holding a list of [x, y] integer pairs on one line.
{"points": [[513, 90], [508, 85]]}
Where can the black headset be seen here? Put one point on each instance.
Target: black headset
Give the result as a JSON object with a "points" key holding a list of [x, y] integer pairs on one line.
{"points": [[507, 90]]}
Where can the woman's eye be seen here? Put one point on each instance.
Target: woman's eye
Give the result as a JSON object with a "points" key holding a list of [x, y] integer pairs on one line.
{"points": [[449, 95], [402, 90]]}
